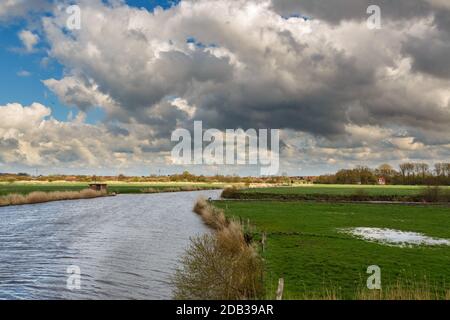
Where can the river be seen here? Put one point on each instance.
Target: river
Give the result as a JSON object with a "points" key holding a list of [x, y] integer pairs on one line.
{"points": [[126, 247]]}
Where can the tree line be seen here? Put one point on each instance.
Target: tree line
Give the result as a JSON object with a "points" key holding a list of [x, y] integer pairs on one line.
{"points": [[408, 173], [182, 177]]}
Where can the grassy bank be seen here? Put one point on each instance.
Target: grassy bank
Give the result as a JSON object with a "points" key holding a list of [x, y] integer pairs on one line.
{"points": [[113, 187], [340, 189], [305, 247], [37, 192], [41, 197], [343, 193], [223, 265]]}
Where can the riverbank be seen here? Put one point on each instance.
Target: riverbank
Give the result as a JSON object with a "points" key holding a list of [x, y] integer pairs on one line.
{"points": [[30, 192], [26, 187], [15, 199], [387, 194], [223, 265]]}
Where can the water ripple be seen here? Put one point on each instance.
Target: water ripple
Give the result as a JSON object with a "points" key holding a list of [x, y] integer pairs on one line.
{"points": [[126, 246]]}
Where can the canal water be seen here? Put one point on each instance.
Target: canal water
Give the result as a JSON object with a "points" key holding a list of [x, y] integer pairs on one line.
{"points": [[125, 247]]}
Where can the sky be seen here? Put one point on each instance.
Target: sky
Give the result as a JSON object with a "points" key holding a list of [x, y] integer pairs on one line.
{"points": [[106, 98]]}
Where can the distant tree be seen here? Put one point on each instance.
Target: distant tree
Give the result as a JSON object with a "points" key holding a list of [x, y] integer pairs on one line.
{"points": [[387, 172], [326, 179], [410, 168], [403, 170], [22, 174], [439, 169], [407, 170], [423, 168], [366, 175], [446, 169]]}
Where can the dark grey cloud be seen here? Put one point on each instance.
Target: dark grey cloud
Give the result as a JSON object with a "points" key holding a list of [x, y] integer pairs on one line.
{"points": [[171, 74], [430, 55], [8, 143], [116, 130], [268, 77], [337, 11], [265, 102]]}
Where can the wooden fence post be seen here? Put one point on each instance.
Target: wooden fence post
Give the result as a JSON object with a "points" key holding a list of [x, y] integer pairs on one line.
{"points": [[280, 289], [263, 241]]}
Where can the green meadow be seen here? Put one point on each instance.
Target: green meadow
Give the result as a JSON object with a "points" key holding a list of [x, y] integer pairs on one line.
{"points": [[374, 190], [304, 246]]}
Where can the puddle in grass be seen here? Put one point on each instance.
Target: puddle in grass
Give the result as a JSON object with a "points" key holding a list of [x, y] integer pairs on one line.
{"points": [[395, 237]]}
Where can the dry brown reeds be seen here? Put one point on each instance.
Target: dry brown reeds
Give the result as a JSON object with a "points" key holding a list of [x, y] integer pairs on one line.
{"points": [[211, 216], [40, 197], [402, 291], [220, 265]]}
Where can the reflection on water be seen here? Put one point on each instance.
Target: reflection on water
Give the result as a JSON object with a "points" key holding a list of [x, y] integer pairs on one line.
{"points": [[126, 246]]}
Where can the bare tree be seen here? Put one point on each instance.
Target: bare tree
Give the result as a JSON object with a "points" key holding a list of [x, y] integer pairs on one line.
{"points": [[403, 169], [410, 168], [417, 168], [446, 169], [439, 169], [423, 168]]}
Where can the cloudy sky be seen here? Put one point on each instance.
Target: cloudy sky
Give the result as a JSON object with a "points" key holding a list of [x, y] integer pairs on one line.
{"points": [[105, 99]]}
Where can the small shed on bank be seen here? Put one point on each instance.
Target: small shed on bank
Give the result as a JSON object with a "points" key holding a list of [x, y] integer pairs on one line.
{"points": [[98, 186]]}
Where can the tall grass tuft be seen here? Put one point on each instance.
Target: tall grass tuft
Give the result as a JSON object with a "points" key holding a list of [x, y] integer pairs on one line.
{"points": [[221, 265], [211, 216]]}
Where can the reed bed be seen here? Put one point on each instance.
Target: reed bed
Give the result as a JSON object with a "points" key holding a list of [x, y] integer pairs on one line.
{"points": [[41, 197], [220, 265]]}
